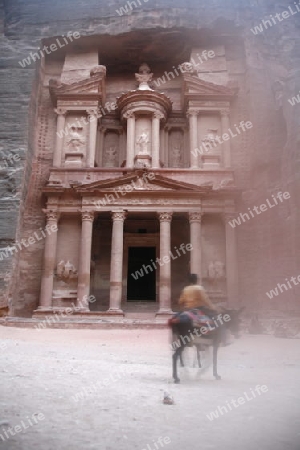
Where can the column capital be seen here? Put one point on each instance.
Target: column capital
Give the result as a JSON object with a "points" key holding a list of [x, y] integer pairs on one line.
{"points": [[226, 216], [192, 113], [118, 215], [93, 112], [60, 111], [51, 214], [129, 115], [165, 216], [87, 216], [195, 216], [224, 112], [158, 115]]}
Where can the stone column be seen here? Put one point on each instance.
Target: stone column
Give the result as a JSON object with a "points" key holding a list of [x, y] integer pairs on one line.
{"points": [[167, 129], [116, 263], [157, 116], [195, 240], [49, 260], [193, 119], [130, 151], [225, 125], [231, 261], [84, 272], [61, 121], [93, 120], [102, 137], [165, 219]]}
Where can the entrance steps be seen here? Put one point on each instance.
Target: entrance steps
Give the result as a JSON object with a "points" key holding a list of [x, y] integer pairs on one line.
{"points": [[89, 321]]}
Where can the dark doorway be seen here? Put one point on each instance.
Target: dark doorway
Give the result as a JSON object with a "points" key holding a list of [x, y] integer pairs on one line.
{"points": [[141, 278]]}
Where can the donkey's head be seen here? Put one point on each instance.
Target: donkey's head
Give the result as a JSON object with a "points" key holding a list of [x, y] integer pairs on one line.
{"points": [[232, 319]]}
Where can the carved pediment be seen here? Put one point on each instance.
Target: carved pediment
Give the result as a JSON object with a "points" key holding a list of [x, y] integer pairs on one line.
{"points": [[194, 87], [141, 181], [90, 88]]}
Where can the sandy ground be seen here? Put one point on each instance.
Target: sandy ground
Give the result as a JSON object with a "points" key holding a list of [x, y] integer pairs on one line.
{"points": [[103, 389]]}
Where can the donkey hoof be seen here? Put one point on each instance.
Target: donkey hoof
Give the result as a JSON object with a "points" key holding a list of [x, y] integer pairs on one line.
{"points": [[217, 377], [176, 380]]}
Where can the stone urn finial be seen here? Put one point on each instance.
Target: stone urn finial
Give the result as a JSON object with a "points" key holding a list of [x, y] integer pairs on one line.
{"points": [[144, 77]]}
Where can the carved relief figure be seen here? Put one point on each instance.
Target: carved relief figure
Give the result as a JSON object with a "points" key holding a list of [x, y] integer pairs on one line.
{"points": [[216, 270], [210, 137], [66, 271], [75, 140], [142, 143], [211, 271], [110, 150], [219, 269], [111, 155], [176, 142]]}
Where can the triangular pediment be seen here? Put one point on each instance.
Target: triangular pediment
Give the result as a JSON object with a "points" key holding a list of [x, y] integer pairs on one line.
{"points": [[195, 87], [140, 181], [92, 87]]}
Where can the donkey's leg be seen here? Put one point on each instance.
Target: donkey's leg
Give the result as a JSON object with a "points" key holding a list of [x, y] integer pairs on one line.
{"points": [[198, 355], [181, 359], [215, 360]]}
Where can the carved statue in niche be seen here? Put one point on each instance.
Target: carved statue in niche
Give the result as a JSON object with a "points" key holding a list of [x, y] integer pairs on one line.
{"points": [[210, 137], [219, 269], [142, 143], [144, 77], [75, 139], [110, 150], [176, 142], [216, 276], [216, 271], [211, 270], [65, 271]]}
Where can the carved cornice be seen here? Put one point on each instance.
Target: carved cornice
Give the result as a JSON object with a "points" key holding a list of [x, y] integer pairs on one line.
{"points": [[195, 87], [148, 101], [165, 216], [91, 88]]}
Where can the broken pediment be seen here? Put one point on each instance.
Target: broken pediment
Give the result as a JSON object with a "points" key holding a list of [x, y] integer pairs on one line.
{"points": [[90, 88], [195, 88], [141, 181]]}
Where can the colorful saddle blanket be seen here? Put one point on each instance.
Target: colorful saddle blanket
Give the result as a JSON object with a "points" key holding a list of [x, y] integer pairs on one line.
{"points": [[200, 319]]}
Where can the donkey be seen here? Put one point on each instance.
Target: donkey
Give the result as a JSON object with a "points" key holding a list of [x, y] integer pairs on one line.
{"points": [[184, 332]]}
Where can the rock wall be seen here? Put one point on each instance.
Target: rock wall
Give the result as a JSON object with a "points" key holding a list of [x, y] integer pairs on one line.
{"points": [[266, 163]]}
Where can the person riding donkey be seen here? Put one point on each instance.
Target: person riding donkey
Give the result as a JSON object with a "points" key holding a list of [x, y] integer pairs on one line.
{"points": [[200, 315], [194, 297]]}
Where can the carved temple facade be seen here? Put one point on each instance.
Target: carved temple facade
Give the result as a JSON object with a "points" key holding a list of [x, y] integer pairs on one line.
{"points": [[140, 189]]}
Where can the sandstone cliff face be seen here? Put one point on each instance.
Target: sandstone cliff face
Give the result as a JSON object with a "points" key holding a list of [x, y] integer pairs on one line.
{"points": [[267, 162]]}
